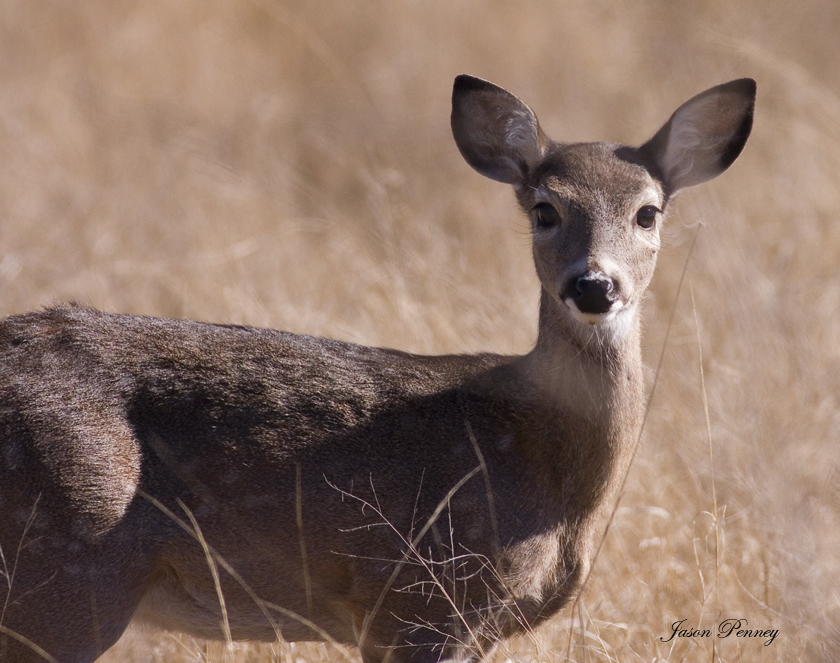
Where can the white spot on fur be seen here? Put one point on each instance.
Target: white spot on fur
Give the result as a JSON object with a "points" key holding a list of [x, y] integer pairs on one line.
{"points": [[616, 323]]}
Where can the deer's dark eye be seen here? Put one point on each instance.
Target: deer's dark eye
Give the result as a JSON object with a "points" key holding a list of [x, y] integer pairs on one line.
{"points": [[646, 217], [545, 216]]}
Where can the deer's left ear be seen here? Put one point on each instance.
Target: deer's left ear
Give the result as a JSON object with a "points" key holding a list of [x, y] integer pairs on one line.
{"points": [[704, 136]]}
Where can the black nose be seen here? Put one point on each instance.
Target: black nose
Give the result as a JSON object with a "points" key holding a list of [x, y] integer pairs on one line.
{"points": [[594, 292]]}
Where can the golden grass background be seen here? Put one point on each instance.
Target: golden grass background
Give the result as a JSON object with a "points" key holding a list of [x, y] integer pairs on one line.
{"points": [[289, 164]]}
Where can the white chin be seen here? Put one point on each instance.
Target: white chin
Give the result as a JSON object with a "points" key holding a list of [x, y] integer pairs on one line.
{"points": [[595, 319]]}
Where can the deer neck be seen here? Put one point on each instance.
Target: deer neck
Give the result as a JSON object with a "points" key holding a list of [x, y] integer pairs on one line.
{"points": [[592, 381], [571, 360]]}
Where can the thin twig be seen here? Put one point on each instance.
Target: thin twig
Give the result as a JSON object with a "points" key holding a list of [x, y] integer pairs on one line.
{"points": [[711, 463], [214, 571]]}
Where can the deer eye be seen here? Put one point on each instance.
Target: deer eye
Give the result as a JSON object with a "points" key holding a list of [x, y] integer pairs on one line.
{"points": [[646, 217], [545, 216]]}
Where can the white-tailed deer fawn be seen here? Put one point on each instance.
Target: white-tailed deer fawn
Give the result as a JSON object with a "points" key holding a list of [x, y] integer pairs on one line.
{"points": [[242, 483]]}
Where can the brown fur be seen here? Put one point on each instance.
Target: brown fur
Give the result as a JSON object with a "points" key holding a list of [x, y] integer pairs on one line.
{"points": [[419, 507]]}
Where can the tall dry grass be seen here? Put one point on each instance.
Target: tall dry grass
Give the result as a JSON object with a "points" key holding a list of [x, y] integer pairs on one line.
{"points": [[289, 164]]}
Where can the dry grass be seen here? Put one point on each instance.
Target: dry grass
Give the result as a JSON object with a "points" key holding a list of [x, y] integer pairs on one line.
{"points": [[289, 164]]}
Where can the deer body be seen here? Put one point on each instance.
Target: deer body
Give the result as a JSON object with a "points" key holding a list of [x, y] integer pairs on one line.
{"points": [[419, 507]]}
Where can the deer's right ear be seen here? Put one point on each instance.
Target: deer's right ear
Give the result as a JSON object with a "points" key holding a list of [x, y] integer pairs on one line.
{"points": [[496, 133]]}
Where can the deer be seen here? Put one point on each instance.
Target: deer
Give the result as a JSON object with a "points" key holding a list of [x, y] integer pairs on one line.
{"points": [[236, 483]]}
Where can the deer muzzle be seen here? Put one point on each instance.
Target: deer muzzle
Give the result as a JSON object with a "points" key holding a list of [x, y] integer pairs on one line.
{"points": [[593, 292]]}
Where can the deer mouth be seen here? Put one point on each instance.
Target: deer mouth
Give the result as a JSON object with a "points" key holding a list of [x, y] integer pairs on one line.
{"points": [[594, 318]]}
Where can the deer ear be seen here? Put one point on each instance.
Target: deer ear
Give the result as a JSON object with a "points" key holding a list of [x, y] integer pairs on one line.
{"points": [[705, 135], [497, 134]]}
